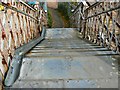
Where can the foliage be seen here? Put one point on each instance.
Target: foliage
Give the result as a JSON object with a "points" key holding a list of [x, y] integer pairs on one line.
{"points": [[63, 8], [49, 19], [74, 3]]}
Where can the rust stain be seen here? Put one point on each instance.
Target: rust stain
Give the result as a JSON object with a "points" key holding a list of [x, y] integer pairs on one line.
{"points": [[3, 31], [3, 61], [3, 58], [3, 35], [17, 31]]}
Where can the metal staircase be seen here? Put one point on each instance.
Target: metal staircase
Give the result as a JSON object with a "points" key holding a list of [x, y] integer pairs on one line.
{"points": [[64, 60], [82, 56]]}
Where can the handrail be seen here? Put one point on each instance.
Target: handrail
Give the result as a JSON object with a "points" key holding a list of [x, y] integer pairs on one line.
{"points": [[15, 9], [27, 5], [100, 25], [112, 9], [77, 7], [93, 5], [14, 69], [19, 25], [74, 12]]}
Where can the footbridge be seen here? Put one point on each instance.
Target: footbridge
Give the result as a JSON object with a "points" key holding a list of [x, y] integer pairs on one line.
{"points": [[86, 55]]}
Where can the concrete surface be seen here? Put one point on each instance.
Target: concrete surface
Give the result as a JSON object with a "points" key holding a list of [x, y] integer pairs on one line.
{"points": [[64, 60]]}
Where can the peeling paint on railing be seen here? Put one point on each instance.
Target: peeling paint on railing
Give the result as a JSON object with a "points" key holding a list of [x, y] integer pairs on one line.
{"points": [[19, 24], [99, 23]]}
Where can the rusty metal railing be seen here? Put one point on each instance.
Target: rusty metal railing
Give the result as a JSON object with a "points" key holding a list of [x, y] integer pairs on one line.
{"points": [[19, 24], [77, 16], [99, 23]]}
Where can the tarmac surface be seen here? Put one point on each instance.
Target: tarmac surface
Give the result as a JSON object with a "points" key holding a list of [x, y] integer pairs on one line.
{"points": [[57, 19]]}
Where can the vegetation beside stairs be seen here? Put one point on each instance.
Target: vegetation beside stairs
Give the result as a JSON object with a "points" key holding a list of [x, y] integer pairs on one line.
{"points": [[49, 19]]}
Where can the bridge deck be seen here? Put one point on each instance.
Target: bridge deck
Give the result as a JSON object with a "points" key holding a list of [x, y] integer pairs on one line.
{"points": [[63, 60]]}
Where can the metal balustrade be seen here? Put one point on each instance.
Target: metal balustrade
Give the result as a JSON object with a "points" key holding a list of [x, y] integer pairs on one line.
{"points": [[99, 23], [19, 24]]}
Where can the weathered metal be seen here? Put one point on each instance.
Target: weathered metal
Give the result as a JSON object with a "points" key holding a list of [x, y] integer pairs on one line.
{"points": [[100, 23], [14, 69], [63, 60], [19, 24]]}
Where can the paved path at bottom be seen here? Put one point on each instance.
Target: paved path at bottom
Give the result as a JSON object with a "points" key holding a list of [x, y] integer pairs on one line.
{"points": [[56, 18]]}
